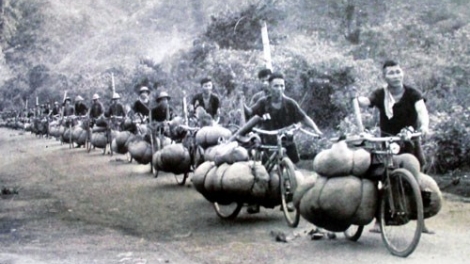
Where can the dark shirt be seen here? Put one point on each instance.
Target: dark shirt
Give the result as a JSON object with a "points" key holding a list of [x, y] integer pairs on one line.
{"points": [[141, 108], [96, 110], [80, 108], [213, 106], [159, 113], [256, 97], [288, 114], [55, 110], [404, 112], [115, 110]]}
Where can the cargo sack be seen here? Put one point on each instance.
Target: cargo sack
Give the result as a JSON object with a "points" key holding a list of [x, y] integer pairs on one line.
{"points": [[210, 135], [99, 139], [121, 141], [237, 182], [97, 129], [229, 152], [82, 137], [172, 158], [140, 150], [336, 203], [340, 160]]}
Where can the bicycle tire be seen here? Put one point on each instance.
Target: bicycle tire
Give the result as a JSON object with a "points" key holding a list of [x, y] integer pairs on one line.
{"points": [[231, 213], [354, 232], [400, 233], [110, 141], [288, 184], [181, 178]]}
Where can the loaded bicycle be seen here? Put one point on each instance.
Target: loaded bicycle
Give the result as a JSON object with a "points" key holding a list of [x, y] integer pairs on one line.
{"points": [[274, 159], [400, 211]]}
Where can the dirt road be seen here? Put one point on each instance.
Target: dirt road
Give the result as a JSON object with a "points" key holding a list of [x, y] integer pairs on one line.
{"points": [[78, 207]]}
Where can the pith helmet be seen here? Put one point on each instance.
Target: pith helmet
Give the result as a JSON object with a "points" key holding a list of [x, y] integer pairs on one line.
{"points": [[95, 96], [144, 89], [78, 98], [116, 96], [163, 95]]}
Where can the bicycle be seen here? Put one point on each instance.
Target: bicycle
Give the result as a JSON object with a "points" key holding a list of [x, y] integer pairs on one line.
{"points": [[196, 153], [106, 125], [273, 158], [400, 195]]}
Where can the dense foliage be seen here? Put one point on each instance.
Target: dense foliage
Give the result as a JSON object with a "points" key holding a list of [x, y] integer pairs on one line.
{"points": [[323, 47]]}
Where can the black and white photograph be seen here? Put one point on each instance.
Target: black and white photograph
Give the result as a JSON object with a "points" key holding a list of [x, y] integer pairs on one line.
{"points": [[233, 132]]}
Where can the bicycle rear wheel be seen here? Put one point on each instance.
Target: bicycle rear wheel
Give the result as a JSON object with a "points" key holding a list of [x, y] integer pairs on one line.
{"points": [[354, 232], [288, 184], [229, 211], [401, 213]]}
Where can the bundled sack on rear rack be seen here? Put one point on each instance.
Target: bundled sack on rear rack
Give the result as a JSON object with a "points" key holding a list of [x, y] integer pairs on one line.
{"points": [[237, 182], [246, 181], [121, 141], [229, 152], [67, 135], [79, 135], [173, 158], [430, 192], [210, 135], [336, 203], [140, 150], [99, 139], [340, 160]]}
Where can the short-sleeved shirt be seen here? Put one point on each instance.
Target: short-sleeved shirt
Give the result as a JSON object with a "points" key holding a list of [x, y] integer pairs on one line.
{"points": [[288, 114], [211, 108], [404, 111], [96, 110], [80, 108]]}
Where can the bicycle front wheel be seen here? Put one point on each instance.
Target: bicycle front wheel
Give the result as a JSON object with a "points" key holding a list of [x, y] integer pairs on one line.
{"points": [[288, 184], [401, 213]]}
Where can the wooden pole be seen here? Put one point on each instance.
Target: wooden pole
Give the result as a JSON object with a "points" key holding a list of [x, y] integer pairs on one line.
{"points": [[357, 114], [185, 109], [266, 47], [242, 110], [112, 83]]}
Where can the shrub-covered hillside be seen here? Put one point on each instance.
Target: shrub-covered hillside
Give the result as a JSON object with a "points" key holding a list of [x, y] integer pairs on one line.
{"points": [[322, 46]]}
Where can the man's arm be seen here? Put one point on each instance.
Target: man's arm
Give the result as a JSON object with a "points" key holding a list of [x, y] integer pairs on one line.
{"points": [[363, 101], [423, 116], [308, 122]]}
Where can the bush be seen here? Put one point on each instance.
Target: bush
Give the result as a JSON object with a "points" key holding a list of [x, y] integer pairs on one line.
{"points": [[450, 147]]}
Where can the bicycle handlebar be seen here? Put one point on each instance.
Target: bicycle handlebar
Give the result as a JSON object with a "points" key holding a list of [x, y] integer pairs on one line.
{"points": [[402, 136], [284, 131]]}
